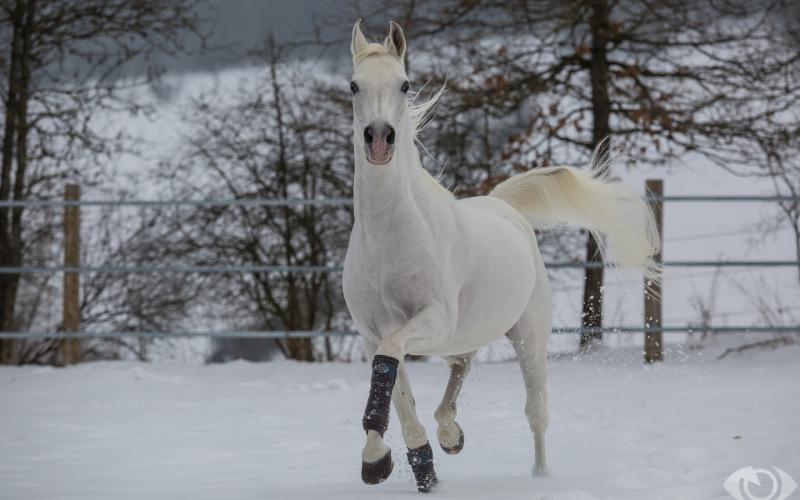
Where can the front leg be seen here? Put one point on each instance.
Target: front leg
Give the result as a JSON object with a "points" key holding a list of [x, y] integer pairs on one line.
{"points": [[428, 326], [420, 454], [376, 457]]}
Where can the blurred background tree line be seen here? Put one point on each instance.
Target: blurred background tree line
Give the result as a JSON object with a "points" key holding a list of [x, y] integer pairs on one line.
{"points": [[530, 83]]}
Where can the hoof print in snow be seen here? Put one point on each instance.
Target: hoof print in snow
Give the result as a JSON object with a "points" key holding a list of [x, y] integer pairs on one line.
{"points": [[377, 472]]}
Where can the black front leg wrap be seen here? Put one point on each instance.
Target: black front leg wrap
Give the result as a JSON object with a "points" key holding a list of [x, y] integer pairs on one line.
{"points": [[384, 373], [421, 460]]}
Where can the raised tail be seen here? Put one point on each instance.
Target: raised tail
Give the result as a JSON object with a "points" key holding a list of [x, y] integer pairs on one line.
{"points": [[618, 217]]}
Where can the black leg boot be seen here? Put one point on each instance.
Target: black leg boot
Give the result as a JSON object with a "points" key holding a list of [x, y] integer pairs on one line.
{"points": [[376, 415], [421, 460]]}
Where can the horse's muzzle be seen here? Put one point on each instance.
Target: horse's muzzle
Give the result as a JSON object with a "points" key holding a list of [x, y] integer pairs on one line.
{"points": [[379, 143]]}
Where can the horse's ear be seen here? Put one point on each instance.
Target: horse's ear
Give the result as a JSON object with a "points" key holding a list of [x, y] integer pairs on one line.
{"points": [[396, 41], [359, 41]]}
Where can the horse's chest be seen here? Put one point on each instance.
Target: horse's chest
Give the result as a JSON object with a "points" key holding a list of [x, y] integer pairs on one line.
{"points": [[383, 290]]}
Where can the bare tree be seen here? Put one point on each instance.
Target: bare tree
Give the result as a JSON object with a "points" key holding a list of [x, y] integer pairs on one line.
{"points": [[277, 136], [781, 166], [772, 312], [705, 305], [62, 62]]}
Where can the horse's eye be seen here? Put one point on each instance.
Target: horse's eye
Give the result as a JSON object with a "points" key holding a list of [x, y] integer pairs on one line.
{"points": [[353, 87], [404, 87]]}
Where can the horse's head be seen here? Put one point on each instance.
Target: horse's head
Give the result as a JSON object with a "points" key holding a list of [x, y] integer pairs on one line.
{"points": [[379, 87]]}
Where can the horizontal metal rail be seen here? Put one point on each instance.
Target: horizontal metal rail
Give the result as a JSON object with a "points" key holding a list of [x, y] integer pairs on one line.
{"points": [[723, 198], [276, 334], [245, 202], [310, 269], [171, 269], [730, 263], [681, 329], [158, 334], [279, 202]]}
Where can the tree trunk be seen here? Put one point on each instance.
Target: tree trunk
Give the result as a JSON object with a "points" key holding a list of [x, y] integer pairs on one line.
{"points": [[15, 134], [796, 229], [406, 23], [592, 313]]}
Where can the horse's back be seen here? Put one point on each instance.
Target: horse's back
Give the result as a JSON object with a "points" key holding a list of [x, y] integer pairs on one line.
{"points": [[492, 207]]}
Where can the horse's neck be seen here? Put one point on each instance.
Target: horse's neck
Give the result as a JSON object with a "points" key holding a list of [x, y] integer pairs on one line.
{"points": [[387, 196]]}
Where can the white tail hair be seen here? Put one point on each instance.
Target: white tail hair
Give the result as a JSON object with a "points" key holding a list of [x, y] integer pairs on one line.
{"points": [[616, 216]]}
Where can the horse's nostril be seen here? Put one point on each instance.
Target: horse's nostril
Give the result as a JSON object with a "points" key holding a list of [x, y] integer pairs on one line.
{"points": [[368, 135], [390, 136]]}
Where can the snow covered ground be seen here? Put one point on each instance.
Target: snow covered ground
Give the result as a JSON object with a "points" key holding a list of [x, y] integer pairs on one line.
{"points": [[619, 430]]}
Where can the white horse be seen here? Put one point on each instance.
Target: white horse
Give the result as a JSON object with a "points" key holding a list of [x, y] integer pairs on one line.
{"points": [[429, 274]]}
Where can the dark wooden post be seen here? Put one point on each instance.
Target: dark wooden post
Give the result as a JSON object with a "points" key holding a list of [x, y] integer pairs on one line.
{"points": [[71, 322], [653, 340]]}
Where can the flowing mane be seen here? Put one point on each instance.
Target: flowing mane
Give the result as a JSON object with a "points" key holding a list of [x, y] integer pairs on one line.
{"points": [[422, 112]]}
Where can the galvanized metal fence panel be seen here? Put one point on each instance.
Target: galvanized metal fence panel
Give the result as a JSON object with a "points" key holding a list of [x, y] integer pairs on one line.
{"points": [[346, 202]]}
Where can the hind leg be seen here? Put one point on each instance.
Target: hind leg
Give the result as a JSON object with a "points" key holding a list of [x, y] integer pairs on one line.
{"points": [[529, 338], [451, 437]]}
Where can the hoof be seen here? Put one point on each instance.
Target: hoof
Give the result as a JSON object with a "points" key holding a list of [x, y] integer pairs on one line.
{"points": [[454, 450], [541, 471], [377, 472]]}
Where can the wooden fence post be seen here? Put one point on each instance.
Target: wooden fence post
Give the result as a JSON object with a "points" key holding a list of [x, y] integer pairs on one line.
{"points": [[71, 321], [653, 340]]}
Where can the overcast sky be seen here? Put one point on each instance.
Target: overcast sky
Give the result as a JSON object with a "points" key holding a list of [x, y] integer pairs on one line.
{"points": [[248, 23]]}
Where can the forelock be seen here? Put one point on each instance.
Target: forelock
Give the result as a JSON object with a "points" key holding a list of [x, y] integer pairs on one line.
{"points": [[371, 49]]}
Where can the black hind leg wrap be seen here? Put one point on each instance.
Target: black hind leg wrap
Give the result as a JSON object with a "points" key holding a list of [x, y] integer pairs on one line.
{"points": [[384, 374], [421, 460]]}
